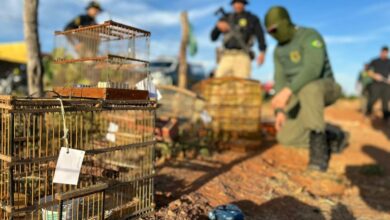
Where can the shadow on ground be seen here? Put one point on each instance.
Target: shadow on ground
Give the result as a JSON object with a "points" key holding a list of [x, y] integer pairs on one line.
{"points": [[172, 188], [283, 208], [373, 180], [289, 208], [380, 125]]}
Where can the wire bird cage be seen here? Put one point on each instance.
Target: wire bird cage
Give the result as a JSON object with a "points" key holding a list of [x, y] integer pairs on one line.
{"points": [[179, 115], [102, 61], [113, 123], [234, 105], [179, 103], [116, 176]]}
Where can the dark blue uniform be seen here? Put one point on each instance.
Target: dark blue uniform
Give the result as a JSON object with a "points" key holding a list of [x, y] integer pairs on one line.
{"points": [[80, 21]]}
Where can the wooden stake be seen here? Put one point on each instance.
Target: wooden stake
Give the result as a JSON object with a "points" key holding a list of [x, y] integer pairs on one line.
{"points": [[183, 50]]}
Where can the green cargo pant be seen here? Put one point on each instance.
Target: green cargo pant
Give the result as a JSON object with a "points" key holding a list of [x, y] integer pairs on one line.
{"points": [[305, 112]]}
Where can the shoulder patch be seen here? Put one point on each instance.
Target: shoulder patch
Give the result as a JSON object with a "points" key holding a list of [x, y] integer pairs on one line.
{"points": [[317, 44], [77, 21]]}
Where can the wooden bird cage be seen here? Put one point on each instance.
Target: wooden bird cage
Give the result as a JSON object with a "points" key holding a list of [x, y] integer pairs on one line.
{"points": [[117, 173], [234, 105], [111, 120]]}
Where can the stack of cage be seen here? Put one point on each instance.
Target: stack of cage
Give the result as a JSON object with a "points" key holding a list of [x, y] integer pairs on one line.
{"points": [[179, 115], [111, 121], [234, 105], [179, 103]]}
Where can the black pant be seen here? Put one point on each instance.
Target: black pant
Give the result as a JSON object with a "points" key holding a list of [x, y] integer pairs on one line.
{"points": [[379, 90]]}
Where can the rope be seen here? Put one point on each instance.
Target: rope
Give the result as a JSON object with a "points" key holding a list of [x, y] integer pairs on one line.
{"points": [[66, 130]]}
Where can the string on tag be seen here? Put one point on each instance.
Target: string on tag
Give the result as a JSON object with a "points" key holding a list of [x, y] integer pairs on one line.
{"points": [[66, 130]]}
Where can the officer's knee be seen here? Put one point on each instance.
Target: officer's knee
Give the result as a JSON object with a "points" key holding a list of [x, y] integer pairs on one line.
{"points": [[284, 138]]}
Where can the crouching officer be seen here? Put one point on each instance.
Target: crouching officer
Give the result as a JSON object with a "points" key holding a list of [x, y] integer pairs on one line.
{"points": [[238, 29], [304, 84]]}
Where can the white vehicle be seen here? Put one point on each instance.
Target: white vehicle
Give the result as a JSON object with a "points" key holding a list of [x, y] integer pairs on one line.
{"points": [[164, 71]]}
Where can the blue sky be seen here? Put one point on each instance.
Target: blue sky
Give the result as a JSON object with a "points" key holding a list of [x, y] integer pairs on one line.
{"points": [[353, 29]]}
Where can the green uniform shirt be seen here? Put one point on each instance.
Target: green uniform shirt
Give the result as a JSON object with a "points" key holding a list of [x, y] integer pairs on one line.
{"points": [[302, 60], [365, 79]]}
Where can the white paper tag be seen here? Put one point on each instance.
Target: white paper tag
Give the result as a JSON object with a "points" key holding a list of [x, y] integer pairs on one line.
{"points": [[111, 137], [205, 117], [113, 128], [68, 166], [149, 85]]}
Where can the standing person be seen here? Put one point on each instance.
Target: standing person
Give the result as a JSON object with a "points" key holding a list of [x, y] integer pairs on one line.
{"points": [[304, 85], [79, 43], [92, 11], [364, 83], [379, 70], [238, 29]]}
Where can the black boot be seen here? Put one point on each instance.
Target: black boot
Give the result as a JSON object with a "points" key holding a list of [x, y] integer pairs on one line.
{"points": [[319, 152], [337, 139], [386, 116]]}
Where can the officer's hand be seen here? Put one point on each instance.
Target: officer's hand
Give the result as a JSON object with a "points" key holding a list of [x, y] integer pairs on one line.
{"points": [[378, 77], [280, 100], [279, 120], [223, 26], [261, 58]]}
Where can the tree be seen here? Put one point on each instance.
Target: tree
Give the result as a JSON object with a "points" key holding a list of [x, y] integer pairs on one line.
{"points": [[34, 63], [183, 50]]}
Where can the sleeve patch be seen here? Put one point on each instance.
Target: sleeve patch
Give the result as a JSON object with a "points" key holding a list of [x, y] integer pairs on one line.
{"points": [[77, 21], [317, 44]]}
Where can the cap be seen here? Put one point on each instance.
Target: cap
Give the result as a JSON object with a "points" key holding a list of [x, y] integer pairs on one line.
{"points": [[385, 48], [245, 2], [94, 4]]}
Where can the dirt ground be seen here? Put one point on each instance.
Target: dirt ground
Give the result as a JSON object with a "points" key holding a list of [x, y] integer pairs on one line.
{"points": [[272, 182]]}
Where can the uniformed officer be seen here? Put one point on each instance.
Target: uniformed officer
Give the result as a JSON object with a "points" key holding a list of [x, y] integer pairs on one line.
{"points": [[364, 84], [93, 9], [304, 85], [85, 47], [379, 70], [238, 29]]}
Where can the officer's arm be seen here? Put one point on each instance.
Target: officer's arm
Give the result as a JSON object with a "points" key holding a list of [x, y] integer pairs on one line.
{"points": [[259, 33], [280, 78], [371, 69], [75, 23], [313, 59], [215, 34]]}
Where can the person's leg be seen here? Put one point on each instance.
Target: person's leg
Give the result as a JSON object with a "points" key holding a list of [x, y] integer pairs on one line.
{"points": [[305, 114], [373, 95], [385, 100], [306, 124], [293, 134], [242, 65], [364, 101], [313, 98], [312, 103], [225, 66]]}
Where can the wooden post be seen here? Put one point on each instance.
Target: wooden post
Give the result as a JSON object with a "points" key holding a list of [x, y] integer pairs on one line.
{"points": [[183, 50], [34, 62]]}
